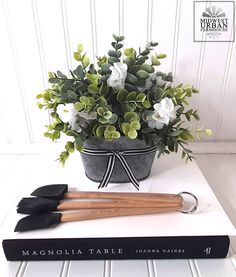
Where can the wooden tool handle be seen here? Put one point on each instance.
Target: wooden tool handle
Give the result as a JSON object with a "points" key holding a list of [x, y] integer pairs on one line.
{"points": [[73, 205], [144, 196], [87, 215]]}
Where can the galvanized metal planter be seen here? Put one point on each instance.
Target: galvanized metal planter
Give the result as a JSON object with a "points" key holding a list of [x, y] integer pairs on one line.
{"points": [[96, 165]]}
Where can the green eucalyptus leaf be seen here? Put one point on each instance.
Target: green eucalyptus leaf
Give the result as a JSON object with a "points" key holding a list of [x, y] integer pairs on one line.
{"points": [[122, 95], [53, 80], [77, 56], [112, 53], [79, 144], [141, 74], [132, 96], [113, 118], [116, 134], [100, 131], [61, 75], [130, 61], [80, 48], [141, 97], [131, 79], [102, 110], [186, 136], [141, 60], [130, 87], [146, 104], [103, 91], [125, 128], [103, 120], [135, 125], [101, 101], [132, 134], [108, 115], [56, 135], [130, 116], [79, 72], [161, 56], [155, 60], [111, 128], [72, 133], [93, 89], [105, 67], [130, 107], [176, 133], [171, 144], [119, 45], [78, 106], [112, 60], [148, 68], [130, 52], [59, 126], [86, 62]]}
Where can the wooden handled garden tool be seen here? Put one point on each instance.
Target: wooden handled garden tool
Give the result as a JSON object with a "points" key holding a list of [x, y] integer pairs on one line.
{"points": [[60, 191], [42, 221], [36, 205]]}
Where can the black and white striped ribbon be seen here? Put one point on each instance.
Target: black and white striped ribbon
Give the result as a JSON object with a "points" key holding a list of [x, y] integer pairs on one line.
{"points": [[120, 155]]}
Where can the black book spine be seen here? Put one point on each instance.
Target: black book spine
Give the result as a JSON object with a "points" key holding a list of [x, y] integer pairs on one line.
{"points": [[189, 247]]}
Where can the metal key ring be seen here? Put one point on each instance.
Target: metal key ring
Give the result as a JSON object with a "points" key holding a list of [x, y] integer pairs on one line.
{"points": [[195, 199]]}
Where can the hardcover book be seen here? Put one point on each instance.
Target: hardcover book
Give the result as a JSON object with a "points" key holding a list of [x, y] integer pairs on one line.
{"points": [[203, 234]]}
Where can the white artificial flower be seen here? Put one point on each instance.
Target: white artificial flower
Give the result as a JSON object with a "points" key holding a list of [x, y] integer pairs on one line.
{"points": [[65, 112], [68, 114], [163, 114], [118, 75]]}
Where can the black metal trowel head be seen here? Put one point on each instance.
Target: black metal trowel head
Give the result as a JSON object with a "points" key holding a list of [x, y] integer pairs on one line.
{"points": [[55, 191]]}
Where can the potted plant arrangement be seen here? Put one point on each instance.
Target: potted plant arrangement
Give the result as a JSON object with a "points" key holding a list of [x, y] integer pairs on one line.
{"points": [[120, 109]]}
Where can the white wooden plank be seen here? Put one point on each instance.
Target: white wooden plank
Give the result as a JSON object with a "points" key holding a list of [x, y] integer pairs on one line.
{"points": [[177, 268], [187, 72], [135, 22], [14, 180], [226, 132], [226, 163], [163, 26], [86, 268], [29, 61], [51, 28], [209, 147], [8, 269], [124, 268], [106, 25], [211, 87], [216, 267], [5, 163], [43, 268], [79, 24], [221, 184], [12, 85]]}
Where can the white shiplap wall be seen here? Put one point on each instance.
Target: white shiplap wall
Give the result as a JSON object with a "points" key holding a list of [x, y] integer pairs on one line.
{"points": [[40, 36]]}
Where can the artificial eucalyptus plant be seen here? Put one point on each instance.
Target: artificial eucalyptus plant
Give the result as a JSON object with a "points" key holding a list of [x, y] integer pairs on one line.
{"points": [[123, 95]]}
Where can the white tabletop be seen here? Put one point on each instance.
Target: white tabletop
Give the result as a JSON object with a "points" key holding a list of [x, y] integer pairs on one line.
{"points": [[18, 168]]}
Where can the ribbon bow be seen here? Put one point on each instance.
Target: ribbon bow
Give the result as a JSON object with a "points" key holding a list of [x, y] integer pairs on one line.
{"points": [[120, 155]]}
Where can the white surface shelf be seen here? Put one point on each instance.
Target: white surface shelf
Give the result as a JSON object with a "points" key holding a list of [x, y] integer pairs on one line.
{"points": [[18, 171]]}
